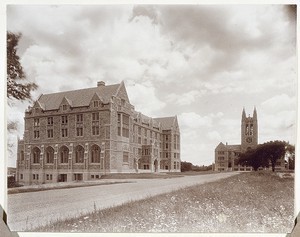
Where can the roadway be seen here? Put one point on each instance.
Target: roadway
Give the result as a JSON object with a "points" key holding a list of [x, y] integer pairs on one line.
{"points": [[29, 210]]}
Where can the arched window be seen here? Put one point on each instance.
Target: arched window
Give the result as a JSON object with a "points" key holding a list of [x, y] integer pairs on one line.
{"points": [[79, 154], [64, 154], [49, 155], [36, 152], [95, 154], [22, 155]]}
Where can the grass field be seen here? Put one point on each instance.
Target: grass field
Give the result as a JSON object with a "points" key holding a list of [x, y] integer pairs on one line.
{"points": [[249, 202]]}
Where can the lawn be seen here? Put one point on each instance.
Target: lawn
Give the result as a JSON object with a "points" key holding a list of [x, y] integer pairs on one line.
{"points": [[248, 202]]}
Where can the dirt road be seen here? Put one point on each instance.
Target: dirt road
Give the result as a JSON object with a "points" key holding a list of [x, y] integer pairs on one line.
{"points": [[29, 210]]}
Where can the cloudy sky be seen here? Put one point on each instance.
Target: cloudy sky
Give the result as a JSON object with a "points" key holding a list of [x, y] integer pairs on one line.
{"points": [[202, 63]]}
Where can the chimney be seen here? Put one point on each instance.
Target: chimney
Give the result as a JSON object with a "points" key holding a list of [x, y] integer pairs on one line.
{"points": [[100, 83]]}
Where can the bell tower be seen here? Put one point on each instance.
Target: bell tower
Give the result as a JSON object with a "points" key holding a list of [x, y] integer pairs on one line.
{"points": [[249, 131]]}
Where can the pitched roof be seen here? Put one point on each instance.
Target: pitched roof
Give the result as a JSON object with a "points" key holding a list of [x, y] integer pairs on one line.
{"points": [[78, 98], [234, 147], [166, 122], [222, 147]]}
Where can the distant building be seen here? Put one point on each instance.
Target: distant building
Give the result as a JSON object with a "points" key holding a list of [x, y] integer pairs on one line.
{"points": [[83, 134], [226, 156]]}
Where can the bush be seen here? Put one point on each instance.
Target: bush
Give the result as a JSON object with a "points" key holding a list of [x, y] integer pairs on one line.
{"points": [[11, 182]]}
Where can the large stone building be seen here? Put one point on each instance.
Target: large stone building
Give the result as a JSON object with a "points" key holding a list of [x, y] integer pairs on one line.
{"points": [[226, 156], [83, 134]]}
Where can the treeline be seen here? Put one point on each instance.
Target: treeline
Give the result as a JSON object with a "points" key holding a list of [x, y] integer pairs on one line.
{"points": [[188, 166], [267, 154]]}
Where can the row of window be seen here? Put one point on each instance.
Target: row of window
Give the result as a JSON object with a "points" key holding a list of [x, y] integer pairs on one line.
{"points": [[64, 119], [65, 132], [50, 176], [95, 154]]}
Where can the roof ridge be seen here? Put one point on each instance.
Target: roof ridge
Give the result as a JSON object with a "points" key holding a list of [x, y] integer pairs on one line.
{"points": [[77, 90]]}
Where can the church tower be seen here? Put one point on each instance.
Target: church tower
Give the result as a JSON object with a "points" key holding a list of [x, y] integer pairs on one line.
{"points": [[249, 131]]}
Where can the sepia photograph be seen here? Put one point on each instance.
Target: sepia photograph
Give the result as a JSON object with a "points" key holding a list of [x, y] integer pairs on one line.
{"points": [[151, 118]]}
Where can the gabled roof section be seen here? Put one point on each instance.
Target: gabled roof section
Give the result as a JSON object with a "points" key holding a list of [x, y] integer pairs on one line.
{"points": [[145, 119], [166, 122], [78, 98], [65, 100], [221, 146], [38, 104], [122, 92], [233, 147], [96, 96]]}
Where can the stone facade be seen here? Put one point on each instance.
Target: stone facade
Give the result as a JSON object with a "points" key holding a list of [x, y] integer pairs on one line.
{"points": [[83, 134], [226, 156]]}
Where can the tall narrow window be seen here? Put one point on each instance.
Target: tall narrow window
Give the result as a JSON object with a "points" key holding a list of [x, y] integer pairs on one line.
{"points": [[251, 129], [50, 120], [95, 123], [79, 154], [64, 153], [79, 131], [36, 155], [95, 154], [64, 119], [50, 133], [36, 134], [22, 155], [119, 125], [96, 103], [64, 107], [36, 122], [49, 155], [125, 156], [79, 118], [64, 132]]}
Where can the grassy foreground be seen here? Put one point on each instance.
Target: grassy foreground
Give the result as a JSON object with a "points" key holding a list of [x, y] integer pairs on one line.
{"points": [[249, 202]]}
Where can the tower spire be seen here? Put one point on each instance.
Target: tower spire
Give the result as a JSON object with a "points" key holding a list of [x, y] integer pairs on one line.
{"points": [[254, 114], [243, 114]]}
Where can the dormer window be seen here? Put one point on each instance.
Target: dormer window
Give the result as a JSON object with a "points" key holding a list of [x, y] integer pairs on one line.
{"points": [[96, 103], [64, 107]]}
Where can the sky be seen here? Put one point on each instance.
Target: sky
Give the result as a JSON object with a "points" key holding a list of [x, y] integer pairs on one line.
{"points": [[203, 63]]}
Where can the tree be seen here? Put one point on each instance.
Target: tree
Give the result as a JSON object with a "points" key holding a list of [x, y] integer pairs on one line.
{"points": [[254, 158], [17, 87], [273, 151], [265, 154], [186, 166]]}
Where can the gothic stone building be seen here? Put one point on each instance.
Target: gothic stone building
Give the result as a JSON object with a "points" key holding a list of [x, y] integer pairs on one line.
{"points": [[83, 134], [226, 156]]}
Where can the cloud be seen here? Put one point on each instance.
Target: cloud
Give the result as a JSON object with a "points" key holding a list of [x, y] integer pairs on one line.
{"points": [[279, 103], [184, 99], [193, 120], [144, 99], [214, 135]]}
